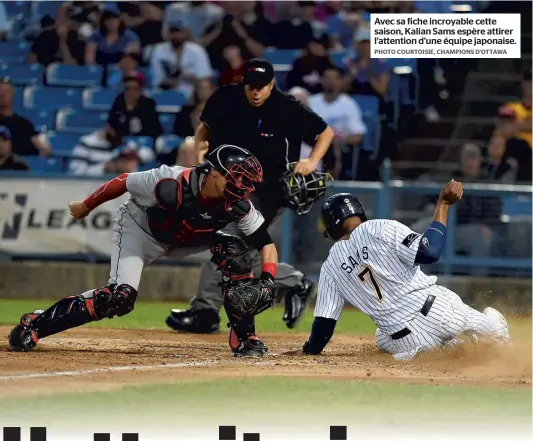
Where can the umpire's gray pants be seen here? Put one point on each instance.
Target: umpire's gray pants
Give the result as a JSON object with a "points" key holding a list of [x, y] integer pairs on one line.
{"points": [[209, 295]]}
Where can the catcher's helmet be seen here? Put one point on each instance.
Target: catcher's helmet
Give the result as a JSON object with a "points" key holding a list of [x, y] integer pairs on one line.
{"points": [[336, 210], [240, 168], [300, 191]]}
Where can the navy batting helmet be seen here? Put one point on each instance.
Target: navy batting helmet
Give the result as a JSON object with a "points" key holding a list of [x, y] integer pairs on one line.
{"points": [[336, 210]]}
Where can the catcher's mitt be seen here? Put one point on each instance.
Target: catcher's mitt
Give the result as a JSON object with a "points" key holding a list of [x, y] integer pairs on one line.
{"points": [[249, 299]]}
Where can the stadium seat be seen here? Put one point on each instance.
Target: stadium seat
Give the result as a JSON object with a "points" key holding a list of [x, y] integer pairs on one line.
{"points": [[42, 8], [14, 52], [167, 121], [166, 143], [23, 74], [140, 141], [19, 96], [17, 8], [282, 59], [98, 98], [170, 101], [370, 108], [80, 121], [44, 165], [62, 143], [338, 58], [440, 7], [42, 120], [51, 98], [74, 76]]}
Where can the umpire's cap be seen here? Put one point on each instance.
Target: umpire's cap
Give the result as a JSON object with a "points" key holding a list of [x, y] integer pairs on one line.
{"points": [[257, 73], [336, 210]]}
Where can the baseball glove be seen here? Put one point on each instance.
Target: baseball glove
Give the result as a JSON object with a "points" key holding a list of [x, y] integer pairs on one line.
{"points": [[249, 299], [230, 254]]}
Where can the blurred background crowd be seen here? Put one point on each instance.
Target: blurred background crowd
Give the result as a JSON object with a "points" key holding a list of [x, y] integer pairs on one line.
{"points": [[96, 88]]}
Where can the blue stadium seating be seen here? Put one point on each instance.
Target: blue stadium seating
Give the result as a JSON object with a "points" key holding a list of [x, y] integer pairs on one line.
{"points": [[43, 120], [62, 143], [166, 143], [281, 78], [426, 7], [51, 98], [80, 121], [74, 76], [169, 101], [167, 121], [141, 141], [17, 101], [15, 8], [370, 108], [44, 165], [338, 58], [14, 52], [282, 59], [99, 98], [41, 8], [23, 74]]}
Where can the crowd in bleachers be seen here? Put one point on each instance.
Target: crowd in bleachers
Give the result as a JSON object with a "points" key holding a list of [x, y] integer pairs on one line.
{"points": [[86, 81]]}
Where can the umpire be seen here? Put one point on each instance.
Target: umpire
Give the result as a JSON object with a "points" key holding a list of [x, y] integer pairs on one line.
{"points": [[270, 124]]}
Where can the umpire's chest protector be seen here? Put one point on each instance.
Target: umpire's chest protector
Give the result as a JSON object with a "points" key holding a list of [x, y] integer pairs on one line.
{"points": [[192, 223]]}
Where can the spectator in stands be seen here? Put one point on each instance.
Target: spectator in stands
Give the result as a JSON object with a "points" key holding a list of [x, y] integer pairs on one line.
{"points": [[132, 113], [187, 156], [232, 72], [297, 31], [342, 26], [9, 161], [24, 138], [515, 123], [111, 41], [496, 166], [198, 15], [126, 161], [307, 70], [344, 116], [128, 63], [145, 19], [80, 16], [56, 43], [4, 23], [366, 76], [241, 26], [183, 124], [178, 63]]}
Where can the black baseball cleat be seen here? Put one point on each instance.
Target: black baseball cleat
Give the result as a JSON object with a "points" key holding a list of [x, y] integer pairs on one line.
{"points": [[194, 321], [252, 347], [297, 301], [22, 337]]}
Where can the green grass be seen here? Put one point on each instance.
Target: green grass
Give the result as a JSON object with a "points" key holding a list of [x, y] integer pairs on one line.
{"points": [[151, 315], [278, 396]]}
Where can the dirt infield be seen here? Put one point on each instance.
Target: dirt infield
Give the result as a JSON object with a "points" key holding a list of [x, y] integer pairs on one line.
{"points": [[96, 359]]}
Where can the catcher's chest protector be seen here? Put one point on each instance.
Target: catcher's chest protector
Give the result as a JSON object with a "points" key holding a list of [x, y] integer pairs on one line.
{"points": [[193, 222]]}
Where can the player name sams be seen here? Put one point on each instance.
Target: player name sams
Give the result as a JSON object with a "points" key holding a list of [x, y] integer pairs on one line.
{"points": [[224, 433]]}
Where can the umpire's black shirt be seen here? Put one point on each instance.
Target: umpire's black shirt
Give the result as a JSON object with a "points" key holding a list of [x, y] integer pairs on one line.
{"points": [[272, 132]]}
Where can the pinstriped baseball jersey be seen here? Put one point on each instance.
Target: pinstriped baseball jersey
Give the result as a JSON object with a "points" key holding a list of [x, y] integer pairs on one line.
{"points": [[375, 271], [141, 186]]}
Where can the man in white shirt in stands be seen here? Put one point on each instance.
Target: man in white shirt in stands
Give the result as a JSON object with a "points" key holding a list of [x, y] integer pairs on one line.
{"points": [[342, 114], [178, 63]]}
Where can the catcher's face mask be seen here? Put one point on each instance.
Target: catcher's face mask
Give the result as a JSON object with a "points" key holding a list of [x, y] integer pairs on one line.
{"points": [[301, 192], [240, 180]]}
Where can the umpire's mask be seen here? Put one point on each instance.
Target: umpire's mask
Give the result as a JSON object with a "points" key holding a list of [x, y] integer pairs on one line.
{"points": [[301, 192]]}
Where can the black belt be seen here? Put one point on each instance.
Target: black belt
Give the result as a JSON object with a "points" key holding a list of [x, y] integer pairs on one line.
{"points": [[424, 311]]}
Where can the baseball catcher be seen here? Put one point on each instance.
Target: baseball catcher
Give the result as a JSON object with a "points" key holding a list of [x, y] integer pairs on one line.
{"points": [[172, 211]]}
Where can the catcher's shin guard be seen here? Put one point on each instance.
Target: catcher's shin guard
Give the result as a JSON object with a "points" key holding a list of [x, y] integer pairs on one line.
{"points": [[72, 312]]}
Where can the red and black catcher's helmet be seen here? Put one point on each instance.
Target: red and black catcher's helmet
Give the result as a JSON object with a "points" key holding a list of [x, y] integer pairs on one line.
{"points": [[240, 168], [336, 209]]}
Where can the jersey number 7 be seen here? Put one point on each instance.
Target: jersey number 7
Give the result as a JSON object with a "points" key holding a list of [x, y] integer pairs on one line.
{"points": [[362, 275]]}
